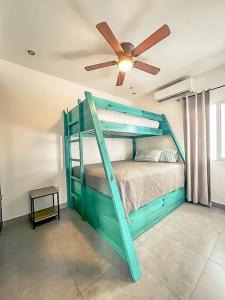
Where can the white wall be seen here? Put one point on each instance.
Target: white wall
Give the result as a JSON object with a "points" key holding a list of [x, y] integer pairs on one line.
{"points": [[174, 112], [31, 134]]}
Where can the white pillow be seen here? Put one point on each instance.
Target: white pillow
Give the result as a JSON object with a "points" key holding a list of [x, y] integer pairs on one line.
{"points": [[148, 155], [169, 155]]}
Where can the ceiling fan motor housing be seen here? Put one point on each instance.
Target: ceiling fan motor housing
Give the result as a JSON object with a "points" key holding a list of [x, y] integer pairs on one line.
{"points": [[127, 48]]}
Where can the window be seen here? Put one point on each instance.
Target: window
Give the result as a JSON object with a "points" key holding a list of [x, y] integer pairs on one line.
{"points": [[217, 131]]}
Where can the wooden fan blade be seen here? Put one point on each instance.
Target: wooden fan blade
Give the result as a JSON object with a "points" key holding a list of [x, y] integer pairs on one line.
{"points": [[107, 33], [153, 39], [101, 65], [145, 67], [120, 78]]}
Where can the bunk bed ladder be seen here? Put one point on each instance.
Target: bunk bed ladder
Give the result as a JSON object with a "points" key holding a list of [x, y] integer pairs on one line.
{"points": [[69, 139], [130, 254], [80, 135], [68, 162]]}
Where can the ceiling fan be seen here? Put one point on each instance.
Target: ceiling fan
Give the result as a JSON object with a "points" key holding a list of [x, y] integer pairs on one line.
{"points": [[126, 52]]}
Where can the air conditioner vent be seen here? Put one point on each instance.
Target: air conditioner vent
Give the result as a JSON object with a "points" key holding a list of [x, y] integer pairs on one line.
{"points": [[176, 91]]}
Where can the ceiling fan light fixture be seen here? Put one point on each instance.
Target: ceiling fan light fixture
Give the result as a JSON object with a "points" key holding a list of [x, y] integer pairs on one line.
{"points": [[126, 52], [125, 64]]}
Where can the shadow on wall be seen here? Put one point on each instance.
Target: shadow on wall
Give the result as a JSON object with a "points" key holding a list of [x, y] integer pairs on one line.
{"points": [[33, 158], [58, 130]]}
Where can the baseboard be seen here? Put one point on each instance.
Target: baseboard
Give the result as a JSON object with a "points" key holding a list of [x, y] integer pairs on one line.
{"points": [[219, 205], [24, 217]]}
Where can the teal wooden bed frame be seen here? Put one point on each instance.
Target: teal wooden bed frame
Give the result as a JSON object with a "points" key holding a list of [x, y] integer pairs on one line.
{"points": [[106, 213]]}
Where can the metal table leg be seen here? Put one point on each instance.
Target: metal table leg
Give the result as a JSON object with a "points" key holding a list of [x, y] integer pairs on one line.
{"points": [[32, 211], [58, 205]]}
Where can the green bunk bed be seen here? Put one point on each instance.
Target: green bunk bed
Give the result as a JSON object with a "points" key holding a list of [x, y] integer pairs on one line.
{"points": [[106, 212]]}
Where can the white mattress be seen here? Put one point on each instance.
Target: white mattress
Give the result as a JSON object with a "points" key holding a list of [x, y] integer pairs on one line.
{"points": [[116, 117]]}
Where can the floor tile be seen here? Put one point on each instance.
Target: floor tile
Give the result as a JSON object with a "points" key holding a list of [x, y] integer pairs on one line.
{"points": [[218, 254], [15, 254], [223, 231], [213, 218], [177, 266], [211, 285], [45, 279], [88, 259], [191, 233], [68, 230], [79, 297], [144, 237], [116, 284], [20, 233]]}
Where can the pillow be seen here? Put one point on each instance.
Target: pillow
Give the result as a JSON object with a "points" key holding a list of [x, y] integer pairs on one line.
{"points": [[148, 155], [169, 155]]}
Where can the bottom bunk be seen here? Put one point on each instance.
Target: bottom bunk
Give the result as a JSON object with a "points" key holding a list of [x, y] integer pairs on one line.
{"points": [[100, 214], [149, 192], [139, 182]]}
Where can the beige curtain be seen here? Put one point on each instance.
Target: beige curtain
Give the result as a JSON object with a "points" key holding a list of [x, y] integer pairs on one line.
{"points": [[197, 147]]}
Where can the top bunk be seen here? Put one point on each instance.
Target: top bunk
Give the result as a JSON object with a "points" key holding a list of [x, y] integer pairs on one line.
{"points": [[114, 119]]}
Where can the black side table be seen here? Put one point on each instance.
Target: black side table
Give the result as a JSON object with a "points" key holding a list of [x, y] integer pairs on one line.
{"points": [[1, 221], [47, 213]]}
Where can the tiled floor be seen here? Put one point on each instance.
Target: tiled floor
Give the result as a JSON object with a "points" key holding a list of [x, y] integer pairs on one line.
{"points": [[182, 257]]}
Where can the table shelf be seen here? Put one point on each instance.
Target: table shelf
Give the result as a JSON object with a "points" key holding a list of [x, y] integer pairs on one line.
{"points": [[44, 214]]}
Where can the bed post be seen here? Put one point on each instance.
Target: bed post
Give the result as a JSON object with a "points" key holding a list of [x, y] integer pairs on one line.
{"points": [[67, 158], [81, 122], [116, 199]]}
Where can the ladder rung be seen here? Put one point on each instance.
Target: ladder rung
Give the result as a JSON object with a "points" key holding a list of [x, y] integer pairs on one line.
{"points": [[74, 134], [75, 178], [74, 141], [75, 159], [73, 123]]}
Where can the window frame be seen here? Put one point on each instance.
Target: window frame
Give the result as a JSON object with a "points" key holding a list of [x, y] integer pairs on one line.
{"points": [[218, 129]]}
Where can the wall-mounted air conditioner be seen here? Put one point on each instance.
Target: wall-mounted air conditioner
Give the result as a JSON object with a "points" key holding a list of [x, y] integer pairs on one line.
{"points": [[176, 91]]}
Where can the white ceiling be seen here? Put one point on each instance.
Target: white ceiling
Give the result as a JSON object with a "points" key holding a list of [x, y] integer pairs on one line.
{"points": [[64, 36]]}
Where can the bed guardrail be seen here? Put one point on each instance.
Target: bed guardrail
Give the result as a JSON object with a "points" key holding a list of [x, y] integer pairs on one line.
{"points": [[112, 127], [134, 111]]}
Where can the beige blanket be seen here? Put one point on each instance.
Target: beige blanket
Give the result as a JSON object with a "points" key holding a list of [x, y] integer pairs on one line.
{"points": [[138, 182]]}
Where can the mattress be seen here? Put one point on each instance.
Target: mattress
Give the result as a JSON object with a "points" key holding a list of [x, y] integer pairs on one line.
{"points": [[116, 117], [138, 182]]}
